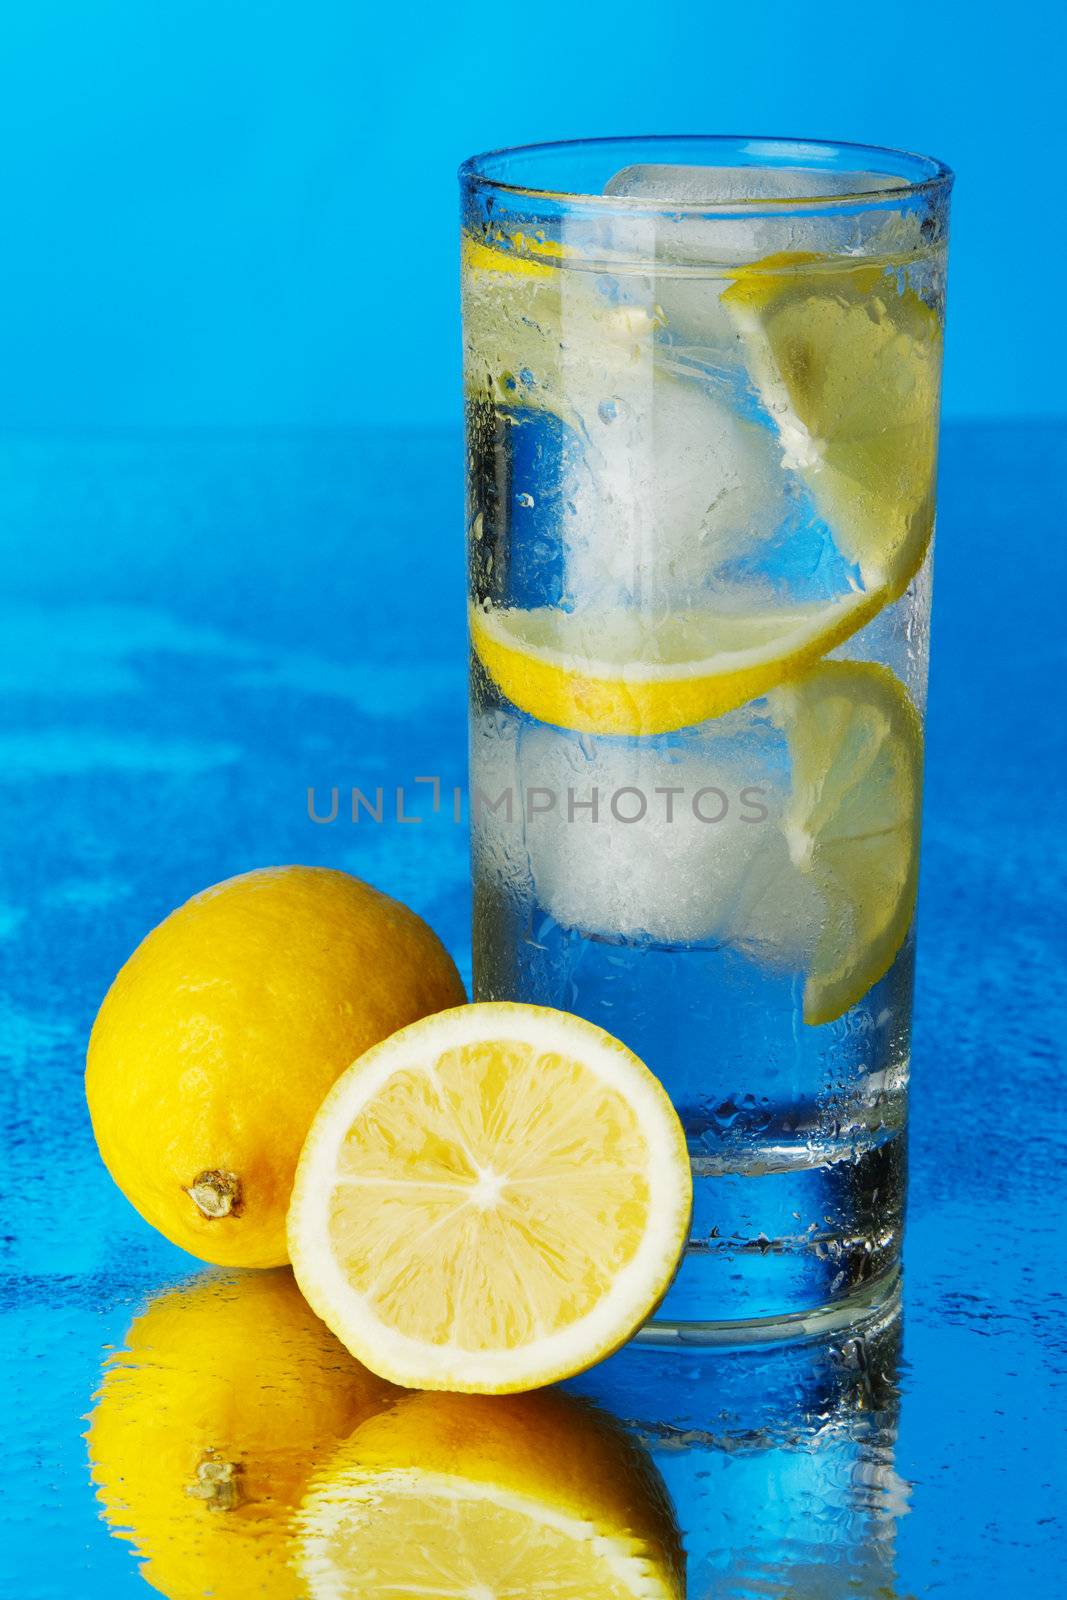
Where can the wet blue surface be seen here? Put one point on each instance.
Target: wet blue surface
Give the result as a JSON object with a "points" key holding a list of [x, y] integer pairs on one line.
{"points": [[194, 630]]}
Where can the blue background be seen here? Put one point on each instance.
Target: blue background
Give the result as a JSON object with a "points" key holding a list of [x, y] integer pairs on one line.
{"points": [[243, 215], [244, 211]]}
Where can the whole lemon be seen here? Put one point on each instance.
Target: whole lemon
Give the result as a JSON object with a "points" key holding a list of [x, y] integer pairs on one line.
{"points": [[221, 1035], [208, 1424]]}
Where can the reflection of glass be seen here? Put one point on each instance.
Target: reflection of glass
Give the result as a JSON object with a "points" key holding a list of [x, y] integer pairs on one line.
{"points": [[780, 1461], [245, 1453], [702, 381]]}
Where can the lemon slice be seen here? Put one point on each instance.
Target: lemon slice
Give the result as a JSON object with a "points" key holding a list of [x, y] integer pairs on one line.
{"points": [[848, 364], [624, 672], [852, 824], [507, 253], [490, 1200], [458, 1495]]}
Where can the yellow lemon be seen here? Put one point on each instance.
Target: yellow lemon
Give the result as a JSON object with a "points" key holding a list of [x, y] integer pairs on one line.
{"points": [[207, 1425], [852, 825], [848, 362], [222, 1033], [624, 672], [530, 1495], [507, 253], [492, 1199]]}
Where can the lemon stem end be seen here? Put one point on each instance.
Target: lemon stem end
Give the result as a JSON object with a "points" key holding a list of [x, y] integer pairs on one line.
{"points": [[216, 1194]]}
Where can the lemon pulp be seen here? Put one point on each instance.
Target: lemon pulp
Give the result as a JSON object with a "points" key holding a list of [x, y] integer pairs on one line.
{"points": [[490, 1200], [848, 364], [855, 742]]}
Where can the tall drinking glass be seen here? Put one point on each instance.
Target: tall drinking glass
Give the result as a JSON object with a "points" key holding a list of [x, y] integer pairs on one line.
{"points": [[702, 383]]}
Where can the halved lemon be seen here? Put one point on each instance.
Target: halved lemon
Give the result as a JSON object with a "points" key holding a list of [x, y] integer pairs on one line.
{"points": [[847, 360], [852, 824], [459, 1495], [624, 672], [490, 1200]]}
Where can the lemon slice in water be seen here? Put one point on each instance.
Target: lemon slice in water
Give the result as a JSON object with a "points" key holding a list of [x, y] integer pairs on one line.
{"points": [[515, 254], [624, 672], [852, 825], [848, 364]]}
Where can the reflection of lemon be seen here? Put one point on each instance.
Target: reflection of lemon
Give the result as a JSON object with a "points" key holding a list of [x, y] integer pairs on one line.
{"points": [[533, 1495], [624, 672], [494, 1198], [848, 364], [855, 744], [225, 1028], [208, 1424]]}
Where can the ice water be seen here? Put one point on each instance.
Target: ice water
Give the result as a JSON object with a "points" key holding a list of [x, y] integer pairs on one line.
{"points": [[701, 458]]}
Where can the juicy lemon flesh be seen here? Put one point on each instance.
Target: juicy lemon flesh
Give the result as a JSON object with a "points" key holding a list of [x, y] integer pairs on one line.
{"points": [[849, 364], [415, 1535], [507, 1233], [855, 743], [491, 1200]]}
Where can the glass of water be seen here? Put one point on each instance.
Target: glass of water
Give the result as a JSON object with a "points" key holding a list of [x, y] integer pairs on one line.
{"points": [[702, 383]]}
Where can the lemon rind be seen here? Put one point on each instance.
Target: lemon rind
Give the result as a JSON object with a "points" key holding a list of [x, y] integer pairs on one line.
{"points": [[642, 699]]}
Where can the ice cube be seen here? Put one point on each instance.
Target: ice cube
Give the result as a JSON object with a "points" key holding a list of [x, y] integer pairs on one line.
{"points": [[661, 481], [665, 853], [669, 483], [685, 846], [664, 876], [710, 186], [735, 238]]}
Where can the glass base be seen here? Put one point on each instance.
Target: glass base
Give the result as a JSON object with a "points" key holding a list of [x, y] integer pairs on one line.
{"points": [[788, 1247], [870, 1302]]}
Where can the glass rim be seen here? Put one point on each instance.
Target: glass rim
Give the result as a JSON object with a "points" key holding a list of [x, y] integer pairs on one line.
{"points": [[932, 174]]}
